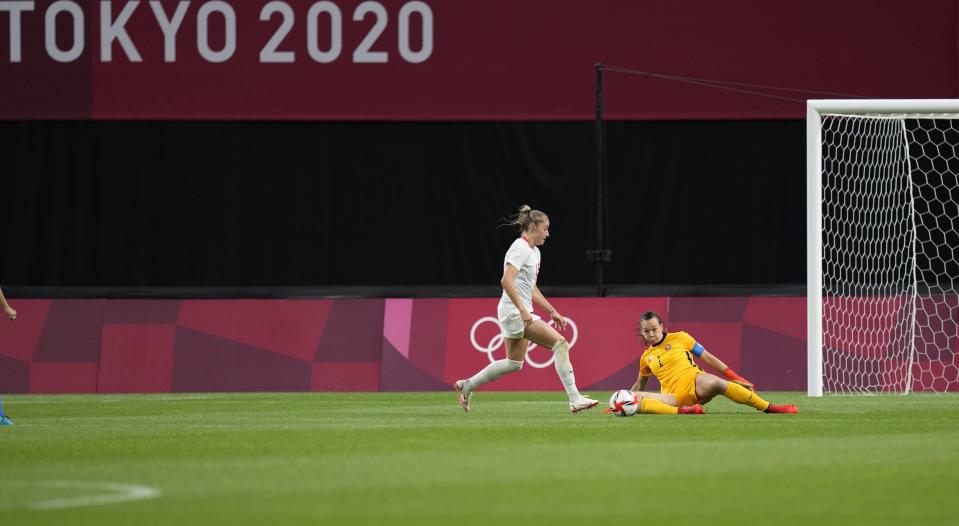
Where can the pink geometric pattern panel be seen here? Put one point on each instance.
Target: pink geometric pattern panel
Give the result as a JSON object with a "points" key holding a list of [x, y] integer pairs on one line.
{"points": [[136, 358], [125, 346]]}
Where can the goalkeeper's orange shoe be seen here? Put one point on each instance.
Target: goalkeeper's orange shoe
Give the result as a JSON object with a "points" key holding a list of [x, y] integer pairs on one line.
{"points": [[694, 409], [785, 408]]}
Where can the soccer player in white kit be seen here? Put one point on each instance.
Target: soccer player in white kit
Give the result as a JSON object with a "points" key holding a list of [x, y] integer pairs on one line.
{"points": [[515, 312]]}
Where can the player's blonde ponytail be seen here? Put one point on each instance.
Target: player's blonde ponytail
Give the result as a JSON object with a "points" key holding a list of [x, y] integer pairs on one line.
{"points": [[526, 217]]}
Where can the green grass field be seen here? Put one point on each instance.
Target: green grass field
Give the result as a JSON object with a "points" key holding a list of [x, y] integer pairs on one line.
{"points": [[518, 458]]}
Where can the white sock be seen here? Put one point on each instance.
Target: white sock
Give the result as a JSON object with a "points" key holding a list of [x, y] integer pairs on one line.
{"points": [[492, 372], [564, 369]]}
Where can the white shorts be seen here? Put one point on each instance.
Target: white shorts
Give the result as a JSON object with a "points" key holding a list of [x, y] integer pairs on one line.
{"points": [[513, 326]]}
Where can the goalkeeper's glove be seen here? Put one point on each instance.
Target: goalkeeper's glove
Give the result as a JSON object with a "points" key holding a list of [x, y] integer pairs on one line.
{"points": [[733, 377]]}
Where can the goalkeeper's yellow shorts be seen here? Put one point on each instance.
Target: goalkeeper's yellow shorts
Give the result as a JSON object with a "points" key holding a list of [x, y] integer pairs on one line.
{"points": [[684, 389]]}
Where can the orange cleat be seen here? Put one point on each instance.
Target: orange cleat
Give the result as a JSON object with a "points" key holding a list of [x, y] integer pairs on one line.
{"points": [[695, 409], [785, 408]]}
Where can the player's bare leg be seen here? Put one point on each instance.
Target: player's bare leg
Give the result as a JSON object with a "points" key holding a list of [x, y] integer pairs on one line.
{"points": [[516, 349], [541, 333]]}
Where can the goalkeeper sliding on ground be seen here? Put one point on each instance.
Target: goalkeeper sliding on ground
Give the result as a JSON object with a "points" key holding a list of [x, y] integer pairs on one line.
{"points": [[684, 385]]}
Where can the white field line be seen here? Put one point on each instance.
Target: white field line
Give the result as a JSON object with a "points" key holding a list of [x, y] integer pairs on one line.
{"points": [[106, 493]]}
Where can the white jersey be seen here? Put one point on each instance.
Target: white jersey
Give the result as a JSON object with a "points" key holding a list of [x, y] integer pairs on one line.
{"points": [[526, 259]]}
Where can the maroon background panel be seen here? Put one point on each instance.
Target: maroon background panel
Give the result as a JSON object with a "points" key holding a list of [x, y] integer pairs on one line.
{"points": [[354, 334], [19, 339], [63, 377], [118, 312], [489, 59], [14, 375], [125, 346], [292, 328], [136, 358], [345, 376], [203, 362], [71, 332]]}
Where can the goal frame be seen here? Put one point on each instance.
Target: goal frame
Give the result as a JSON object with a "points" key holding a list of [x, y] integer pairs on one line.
{"points": [[815, 108]]}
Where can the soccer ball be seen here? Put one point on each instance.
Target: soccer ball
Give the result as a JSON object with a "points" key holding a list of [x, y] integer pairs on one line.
{"points": [[624, 403]]}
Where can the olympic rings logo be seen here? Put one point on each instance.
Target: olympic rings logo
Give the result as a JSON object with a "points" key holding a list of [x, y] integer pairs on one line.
{"points": [[497, 340]]}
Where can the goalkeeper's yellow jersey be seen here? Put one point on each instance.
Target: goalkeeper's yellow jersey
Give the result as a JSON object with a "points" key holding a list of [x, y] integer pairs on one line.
{"points": [[670, 361]]}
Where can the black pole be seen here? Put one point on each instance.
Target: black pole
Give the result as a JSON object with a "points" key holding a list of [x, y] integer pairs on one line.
{"points": [[599, 252]]}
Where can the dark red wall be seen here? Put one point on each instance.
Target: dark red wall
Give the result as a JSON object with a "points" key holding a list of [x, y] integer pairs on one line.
{"points": [[126, 346], [490, 60]]}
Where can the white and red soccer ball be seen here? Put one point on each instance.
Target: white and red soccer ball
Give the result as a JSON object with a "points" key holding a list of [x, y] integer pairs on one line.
{"points": [[624, 403]]}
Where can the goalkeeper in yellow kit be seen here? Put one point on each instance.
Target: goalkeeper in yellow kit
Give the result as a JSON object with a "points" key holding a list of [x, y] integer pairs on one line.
{"points": [[684, 386]]}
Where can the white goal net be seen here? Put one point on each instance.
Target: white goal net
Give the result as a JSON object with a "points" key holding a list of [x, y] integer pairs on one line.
{"points": [[884, 247]]}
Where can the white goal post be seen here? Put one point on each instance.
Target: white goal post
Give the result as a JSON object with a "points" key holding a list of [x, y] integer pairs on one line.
{"points": [[882, 242]]}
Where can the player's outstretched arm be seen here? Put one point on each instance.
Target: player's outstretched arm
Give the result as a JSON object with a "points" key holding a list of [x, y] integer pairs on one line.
{"points": [[730, 375], [640, 384]]}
